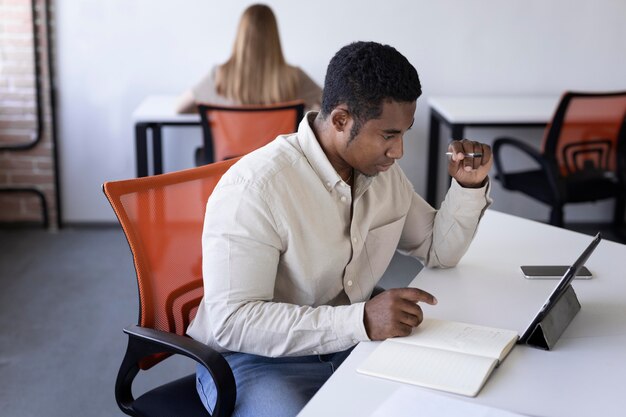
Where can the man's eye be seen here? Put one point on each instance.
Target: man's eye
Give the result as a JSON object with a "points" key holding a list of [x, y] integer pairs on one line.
{"points": [[387, 137]]}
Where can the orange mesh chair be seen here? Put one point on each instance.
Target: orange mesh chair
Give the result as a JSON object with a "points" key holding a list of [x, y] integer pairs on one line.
{"points": [[229, 132], [583, 157], [162, 217]]}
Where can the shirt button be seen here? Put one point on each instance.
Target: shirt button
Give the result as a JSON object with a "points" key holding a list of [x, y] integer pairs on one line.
{"points": [[328, 184], [343, 198], [349, 283], [354, 240]]}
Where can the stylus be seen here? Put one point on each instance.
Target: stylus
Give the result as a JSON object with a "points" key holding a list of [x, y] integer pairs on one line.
{"points": [[468, 154]]}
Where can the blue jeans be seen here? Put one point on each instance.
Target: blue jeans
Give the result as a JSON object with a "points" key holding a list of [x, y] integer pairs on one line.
{"points": [[271, 386]]}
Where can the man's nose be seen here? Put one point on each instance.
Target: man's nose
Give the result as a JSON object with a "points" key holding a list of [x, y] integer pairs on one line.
{"points": [[397, 149]]}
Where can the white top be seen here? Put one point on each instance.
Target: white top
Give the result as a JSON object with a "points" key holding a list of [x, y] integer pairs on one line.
{"points": [[490, 110], [582, 376], [162, 108], [286, 267], [306, 90]]}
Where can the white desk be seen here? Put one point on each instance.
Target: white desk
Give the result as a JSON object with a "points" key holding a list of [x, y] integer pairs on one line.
{"points": [[585, 375], [152, 114], [459, 113]]}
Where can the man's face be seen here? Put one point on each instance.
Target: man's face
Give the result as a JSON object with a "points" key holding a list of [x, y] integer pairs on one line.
{"points": [[378, 143]]}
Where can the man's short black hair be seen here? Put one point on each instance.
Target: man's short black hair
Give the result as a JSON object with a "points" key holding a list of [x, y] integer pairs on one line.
{"points": [[362, 75]]}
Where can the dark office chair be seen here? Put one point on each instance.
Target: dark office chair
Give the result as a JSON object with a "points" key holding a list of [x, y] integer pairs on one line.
{"points": [[230, 131], [583, 157], [162, 218]]}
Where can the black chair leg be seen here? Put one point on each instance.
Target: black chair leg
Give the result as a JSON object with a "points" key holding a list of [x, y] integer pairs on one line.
{"points": [[619, 213], [199, 157], [556, 216], [619, 218]]}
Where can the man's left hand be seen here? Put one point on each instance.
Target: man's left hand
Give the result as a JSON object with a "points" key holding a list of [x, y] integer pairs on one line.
{"points": [[469, 171]]}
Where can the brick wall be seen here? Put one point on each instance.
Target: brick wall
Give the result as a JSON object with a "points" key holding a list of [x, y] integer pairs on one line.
{"points": [[24, 163]]}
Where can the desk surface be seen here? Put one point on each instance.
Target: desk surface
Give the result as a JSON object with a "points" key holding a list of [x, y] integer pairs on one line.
{"points": [[495, 110], [582, 376], [161, 109]]}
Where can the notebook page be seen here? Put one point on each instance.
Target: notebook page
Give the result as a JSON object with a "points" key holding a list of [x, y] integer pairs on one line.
{"points": [[431, 368], [461, 337]]}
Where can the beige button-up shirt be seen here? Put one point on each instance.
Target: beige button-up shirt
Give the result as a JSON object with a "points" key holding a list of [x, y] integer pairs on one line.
{"points": [[287, 269]]}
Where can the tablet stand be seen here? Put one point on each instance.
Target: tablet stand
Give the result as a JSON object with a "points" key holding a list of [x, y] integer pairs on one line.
{"points": [[548, 331]]}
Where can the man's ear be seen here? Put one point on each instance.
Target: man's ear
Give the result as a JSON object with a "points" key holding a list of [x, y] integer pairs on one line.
{"points": [[340, 119]]}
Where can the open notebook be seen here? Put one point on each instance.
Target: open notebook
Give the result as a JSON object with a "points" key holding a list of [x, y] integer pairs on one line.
{"points": [[444, 355], [453, 356]]}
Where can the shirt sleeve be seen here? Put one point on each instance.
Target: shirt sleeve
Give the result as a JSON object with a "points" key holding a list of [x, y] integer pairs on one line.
{"points": [[241, 246], [440, 238]]}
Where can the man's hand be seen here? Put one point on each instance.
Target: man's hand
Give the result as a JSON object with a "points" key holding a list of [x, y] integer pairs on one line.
{"points": [[469, 171], [395, 312]]}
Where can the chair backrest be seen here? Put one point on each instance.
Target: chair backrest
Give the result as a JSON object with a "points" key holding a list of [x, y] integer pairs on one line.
{"points": [[162, 217], [230, 131], [587, 133]]}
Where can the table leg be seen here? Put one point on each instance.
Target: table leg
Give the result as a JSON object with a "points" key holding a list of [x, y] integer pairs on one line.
{"points": [[433, 160], [157, 149], [456, 133], [141, 149]]}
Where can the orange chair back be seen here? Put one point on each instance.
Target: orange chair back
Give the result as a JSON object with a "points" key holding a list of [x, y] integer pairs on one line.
{"points": [[586, 132], [162, 217], [235, 131]]}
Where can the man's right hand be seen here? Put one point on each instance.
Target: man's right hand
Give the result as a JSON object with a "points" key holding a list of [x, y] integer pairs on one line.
{"points": [[395, 312]]}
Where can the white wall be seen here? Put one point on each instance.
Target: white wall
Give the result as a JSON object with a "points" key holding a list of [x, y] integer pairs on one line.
{"points": [[113, 53]]}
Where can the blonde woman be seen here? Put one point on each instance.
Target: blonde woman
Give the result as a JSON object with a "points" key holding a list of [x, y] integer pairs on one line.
{"points": [[256, 72]]}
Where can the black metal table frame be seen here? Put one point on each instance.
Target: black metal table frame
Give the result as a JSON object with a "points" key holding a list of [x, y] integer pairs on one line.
{"points": [[141, 144], [434, 154]]}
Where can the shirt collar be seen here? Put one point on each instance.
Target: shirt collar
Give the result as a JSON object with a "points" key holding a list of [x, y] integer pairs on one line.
{"points": [[319, 161], [315, 154]]}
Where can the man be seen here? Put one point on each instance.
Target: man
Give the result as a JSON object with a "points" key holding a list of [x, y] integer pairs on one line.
{"points": [[298, 233]]}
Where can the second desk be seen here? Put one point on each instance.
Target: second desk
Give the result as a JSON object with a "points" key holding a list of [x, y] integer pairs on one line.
{"points": [[459, 113]]}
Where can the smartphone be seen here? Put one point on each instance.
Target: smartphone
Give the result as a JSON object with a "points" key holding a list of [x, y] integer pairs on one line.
{"points": [[552, 272]]}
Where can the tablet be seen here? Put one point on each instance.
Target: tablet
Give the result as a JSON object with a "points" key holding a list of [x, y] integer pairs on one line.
{"points": [[560, 288]]}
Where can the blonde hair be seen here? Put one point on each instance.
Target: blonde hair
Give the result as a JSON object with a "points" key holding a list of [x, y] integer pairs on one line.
{"points": [[256, 72]]}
